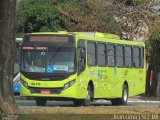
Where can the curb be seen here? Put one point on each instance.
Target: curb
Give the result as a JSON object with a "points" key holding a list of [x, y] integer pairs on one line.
{"points": [[23, 98]]}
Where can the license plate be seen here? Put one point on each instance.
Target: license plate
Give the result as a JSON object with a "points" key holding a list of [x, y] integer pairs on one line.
{"points": [[45, 91]]}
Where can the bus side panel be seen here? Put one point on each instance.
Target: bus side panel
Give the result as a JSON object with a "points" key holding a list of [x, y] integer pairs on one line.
{"points": [[112, 80], [118, 81], [81, 88], [136, 81], [100, 81]]}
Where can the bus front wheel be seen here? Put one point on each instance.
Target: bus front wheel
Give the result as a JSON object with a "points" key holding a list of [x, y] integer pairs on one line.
{"points": [[87, 100], [124, 99], [41, 101]]}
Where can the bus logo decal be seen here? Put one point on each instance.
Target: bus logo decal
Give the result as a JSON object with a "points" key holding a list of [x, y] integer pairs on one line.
{"points": [[115, 71], [99, 74], [91, 73]]}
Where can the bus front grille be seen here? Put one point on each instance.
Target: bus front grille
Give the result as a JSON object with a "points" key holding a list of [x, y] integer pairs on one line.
{"points": [[52, 90]]}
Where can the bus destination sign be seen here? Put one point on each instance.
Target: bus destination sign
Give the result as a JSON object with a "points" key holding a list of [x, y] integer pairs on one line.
{"points": [[49, 38], [34, 48]]}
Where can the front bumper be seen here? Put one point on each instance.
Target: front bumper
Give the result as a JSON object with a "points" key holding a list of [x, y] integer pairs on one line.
{"points": [[54, 92]]}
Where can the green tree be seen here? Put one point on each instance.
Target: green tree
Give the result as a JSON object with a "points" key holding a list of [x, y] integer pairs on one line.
{"points": [[155, 45], [37, 15], [86, 15], [133, 2], [154, 61]]}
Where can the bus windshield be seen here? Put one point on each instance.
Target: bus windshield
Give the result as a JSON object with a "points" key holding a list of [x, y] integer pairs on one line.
{"points": [[55, 59]]}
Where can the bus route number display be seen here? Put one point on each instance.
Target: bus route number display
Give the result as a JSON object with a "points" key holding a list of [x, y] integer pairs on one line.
{"points": [[49, 38]]}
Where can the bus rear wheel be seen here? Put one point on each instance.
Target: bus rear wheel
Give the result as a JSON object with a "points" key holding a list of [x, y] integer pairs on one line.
{"points": [[87, 100], [41, 101], [124, 99]]}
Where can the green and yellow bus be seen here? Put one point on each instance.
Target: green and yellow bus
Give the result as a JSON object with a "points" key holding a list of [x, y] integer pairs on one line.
{"points": [[81, 66]]}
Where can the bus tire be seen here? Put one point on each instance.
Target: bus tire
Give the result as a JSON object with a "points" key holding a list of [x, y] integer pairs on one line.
{"points": [[77, 102], [41, 101], [124, 99], [87, 100], [89, 96]]}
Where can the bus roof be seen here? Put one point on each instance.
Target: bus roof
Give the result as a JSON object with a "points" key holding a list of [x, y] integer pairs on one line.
{"points": [[111, 38], [91, 34]]}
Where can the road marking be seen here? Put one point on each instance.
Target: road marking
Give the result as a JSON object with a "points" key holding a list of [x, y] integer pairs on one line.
{"points": [[130, 101], [144, 101]]}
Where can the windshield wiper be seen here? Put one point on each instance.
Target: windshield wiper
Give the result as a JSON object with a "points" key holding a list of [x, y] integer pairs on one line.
{"points": [[57, 51]]}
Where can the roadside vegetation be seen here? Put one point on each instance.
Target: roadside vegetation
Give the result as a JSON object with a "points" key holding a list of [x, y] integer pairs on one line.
{"points": [[69, 15]]}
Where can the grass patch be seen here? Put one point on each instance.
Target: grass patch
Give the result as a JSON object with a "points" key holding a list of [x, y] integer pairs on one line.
{"points": [[65, 117]]}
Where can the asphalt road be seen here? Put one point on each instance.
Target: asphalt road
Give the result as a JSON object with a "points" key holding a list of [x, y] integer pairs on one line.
{"points": [[141, 109], [131, 103]]}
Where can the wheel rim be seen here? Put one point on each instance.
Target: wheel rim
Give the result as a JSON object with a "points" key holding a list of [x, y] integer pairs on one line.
{"points": [[88, 95], [125, 95]]}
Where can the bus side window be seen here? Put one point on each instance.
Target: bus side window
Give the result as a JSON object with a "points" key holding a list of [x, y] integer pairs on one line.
{"points": [[128, 56], [101, 58], [119, 56], [136, 57], [142, 57], [81, 56], [111, 55], [91, 50]]}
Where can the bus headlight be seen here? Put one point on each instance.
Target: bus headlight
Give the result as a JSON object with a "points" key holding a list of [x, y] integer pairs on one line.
{"points": [[66, 86], [24, 83], [69, 84]]}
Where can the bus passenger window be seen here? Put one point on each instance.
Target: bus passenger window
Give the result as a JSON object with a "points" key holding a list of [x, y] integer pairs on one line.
{"points": [[142, 57], [101, 59], [110, 53], [91, 54], [136, 62], [119, 56], [128, 56]]}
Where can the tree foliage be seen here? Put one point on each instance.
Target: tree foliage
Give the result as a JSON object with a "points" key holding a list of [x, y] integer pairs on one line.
{"points": [[131, 19], [136, 20], [36, 15], [70, 15], [155, 46], [86, 15]]}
